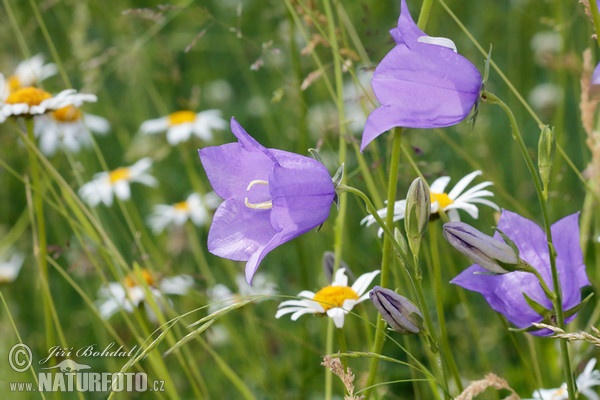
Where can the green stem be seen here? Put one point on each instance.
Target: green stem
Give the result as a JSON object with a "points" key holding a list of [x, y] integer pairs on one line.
{"points": [[596, 17], [388, 254], [557, 301], [41, 249], [341, 216]]}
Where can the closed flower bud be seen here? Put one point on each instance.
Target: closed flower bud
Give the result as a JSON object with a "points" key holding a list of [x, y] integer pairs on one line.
{"points": [[492, 254], [328, 264], [399, 312], [418, 209], [546, 150]]}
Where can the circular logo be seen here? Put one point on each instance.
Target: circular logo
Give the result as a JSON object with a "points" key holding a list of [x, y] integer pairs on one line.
{"points": [[20, 357]]}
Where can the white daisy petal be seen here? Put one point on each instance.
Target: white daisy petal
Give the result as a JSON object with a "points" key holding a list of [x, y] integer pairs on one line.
{"points": [[462, 184]]}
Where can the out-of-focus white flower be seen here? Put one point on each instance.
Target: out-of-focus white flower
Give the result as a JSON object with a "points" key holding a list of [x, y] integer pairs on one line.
{"points": [[10, 268], [450, 203], [29, 72], [30, 101], [220, 296], [335, 300], [194, 208], [546, 45], [357, 103], [181, 125], [545, 97], [129, 294], [67, 128], [585, 382], [101, 188]]}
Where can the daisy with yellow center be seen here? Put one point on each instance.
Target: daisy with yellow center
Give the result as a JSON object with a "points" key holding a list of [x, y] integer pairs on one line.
{"points": [[194, 208], [68, 129], [30, 101], [335, 300], [450, 202], [104, 184], [181, 125], [29, 72], [132, 292]]}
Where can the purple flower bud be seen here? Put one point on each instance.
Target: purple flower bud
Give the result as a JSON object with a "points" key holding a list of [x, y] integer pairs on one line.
{"points": [[491, 254], [399, 312]]}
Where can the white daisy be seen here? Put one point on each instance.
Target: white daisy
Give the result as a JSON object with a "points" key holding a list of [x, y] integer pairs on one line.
{"points": [[67, 128], [181, 125], [585, 382], [30, 72], [450, 203], [9, 269], [30, 101], [335, 300], [129, 294], [194, 208], [220, 296], [101, 188]]}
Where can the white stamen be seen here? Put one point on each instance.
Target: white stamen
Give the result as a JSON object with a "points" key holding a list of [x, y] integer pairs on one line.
{"points": [[438, 41], [265, 205]]}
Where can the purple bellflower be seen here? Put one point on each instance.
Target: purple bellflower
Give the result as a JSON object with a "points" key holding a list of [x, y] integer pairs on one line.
{"points": [[421, 83], [506, 293], [271, 196]]}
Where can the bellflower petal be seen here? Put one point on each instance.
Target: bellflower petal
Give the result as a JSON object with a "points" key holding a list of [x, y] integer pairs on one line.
{"points": [[504, 293], [421, 83], [271, 196]]}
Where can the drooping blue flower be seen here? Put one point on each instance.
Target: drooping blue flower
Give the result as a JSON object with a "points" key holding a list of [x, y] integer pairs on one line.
{"points": [[506, 293], [271, 196], [421, 83]]}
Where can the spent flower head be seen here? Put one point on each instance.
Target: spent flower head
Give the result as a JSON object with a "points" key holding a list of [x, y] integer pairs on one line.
{"points": [[104, 184], [335, 300], [421, 83], [181, 125], [512, 294], [271, 197], [456, 199]]}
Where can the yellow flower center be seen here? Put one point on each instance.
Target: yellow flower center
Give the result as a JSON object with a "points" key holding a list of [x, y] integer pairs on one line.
{"points": [[182, 206], [181, 117], [334, 296], [13, 83], [131, 280], [442, 198], [119, 174], [69, 113], [29, 95]]}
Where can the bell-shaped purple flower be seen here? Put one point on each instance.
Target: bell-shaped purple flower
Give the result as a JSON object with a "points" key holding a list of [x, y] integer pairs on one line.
{"points": [[506, 293], [271, 196], [421, 83]]}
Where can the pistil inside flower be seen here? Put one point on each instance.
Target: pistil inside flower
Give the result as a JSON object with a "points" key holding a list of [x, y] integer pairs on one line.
{"points": [[181, 117], [334, 296], [442, 198], [131, 280], [29, 95], [69, 113], [257, 193], [119, 174]]}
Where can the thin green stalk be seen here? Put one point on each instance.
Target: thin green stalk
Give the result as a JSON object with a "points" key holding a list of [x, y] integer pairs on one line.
{"points": [[388, 253], [557, 301], [39, 227], [596, 17]]}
